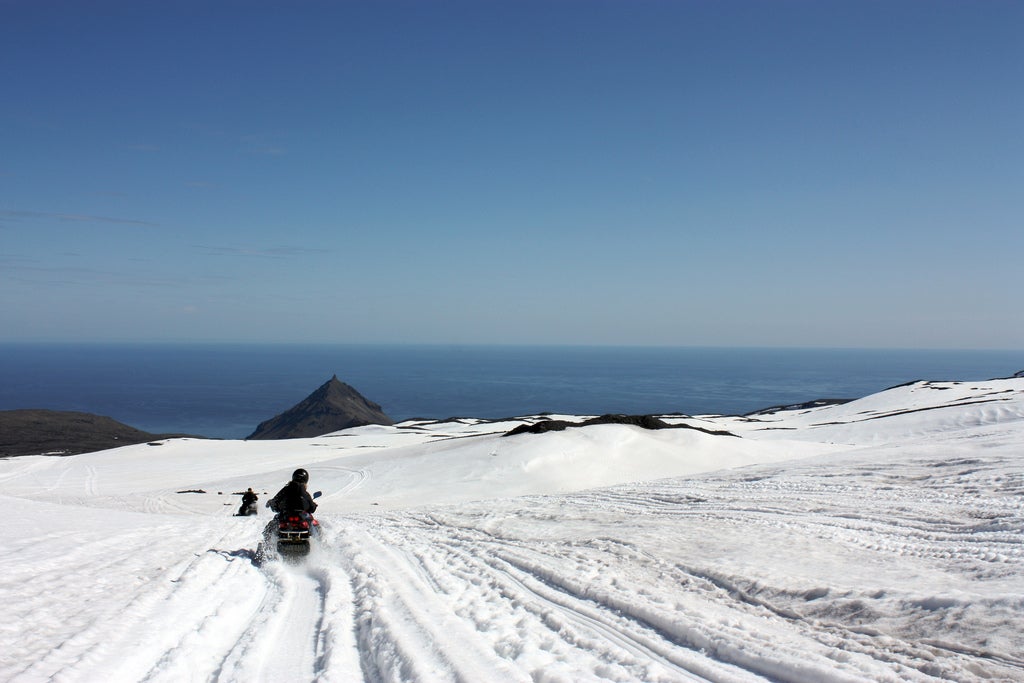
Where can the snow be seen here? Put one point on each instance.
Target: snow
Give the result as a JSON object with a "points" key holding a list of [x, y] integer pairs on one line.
{"points": [[880, 540]]}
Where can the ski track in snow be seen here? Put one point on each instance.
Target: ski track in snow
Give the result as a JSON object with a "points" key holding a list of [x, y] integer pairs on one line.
{"points": [[897, 563], [458, 594], [569, 606]]}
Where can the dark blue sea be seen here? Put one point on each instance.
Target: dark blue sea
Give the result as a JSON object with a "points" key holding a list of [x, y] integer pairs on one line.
{"points": [[226, 390]]}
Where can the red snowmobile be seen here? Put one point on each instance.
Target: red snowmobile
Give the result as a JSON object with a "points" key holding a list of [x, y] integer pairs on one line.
{"points": [[289, 533]]}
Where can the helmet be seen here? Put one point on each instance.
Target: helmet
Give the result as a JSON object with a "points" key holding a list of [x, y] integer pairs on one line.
{"points": [[300, 476]]}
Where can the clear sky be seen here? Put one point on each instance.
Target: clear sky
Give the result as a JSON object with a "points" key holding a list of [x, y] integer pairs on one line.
{"points": [[792, 173]]}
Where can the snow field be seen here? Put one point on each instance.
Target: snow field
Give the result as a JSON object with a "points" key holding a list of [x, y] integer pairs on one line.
{"points": [[874, 542]]}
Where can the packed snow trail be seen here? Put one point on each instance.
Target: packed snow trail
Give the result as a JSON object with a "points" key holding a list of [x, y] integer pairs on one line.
{"points": [[898, 560]]}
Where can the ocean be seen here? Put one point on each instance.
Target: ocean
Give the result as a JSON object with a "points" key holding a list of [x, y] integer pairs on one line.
{"points": [[224, 391]]}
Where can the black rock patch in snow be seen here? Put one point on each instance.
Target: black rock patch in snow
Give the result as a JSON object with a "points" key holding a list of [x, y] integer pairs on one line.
{"points": [[644, 421]]}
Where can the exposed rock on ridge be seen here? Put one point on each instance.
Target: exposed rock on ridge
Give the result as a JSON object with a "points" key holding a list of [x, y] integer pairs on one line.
{"points": [[334, 406], [645, 421]]}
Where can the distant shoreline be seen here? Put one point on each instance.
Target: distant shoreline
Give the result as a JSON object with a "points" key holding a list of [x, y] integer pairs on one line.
{"points": [[224, 390], [494, 346]]}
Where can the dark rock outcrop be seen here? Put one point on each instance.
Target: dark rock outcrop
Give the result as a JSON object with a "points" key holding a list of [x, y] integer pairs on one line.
{"points": [[63, 432], [332, 407], [645, 421]]}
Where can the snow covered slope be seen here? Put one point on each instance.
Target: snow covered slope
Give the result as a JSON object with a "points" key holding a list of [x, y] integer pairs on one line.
{"points": [[880, 540]]}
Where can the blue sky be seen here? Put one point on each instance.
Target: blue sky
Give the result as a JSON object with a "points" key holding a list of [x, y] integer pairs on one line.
{"points": [[564, 172]]}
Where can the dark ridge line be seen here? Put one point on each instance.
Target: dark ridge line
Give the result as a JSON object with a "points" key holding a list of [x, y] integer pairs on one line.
{"points": [[644, 421]]}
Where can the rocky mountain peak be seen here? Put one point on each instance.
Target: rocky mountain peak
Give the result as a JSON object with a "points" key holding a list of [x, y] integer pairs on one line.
{"points": [[333, 406]]}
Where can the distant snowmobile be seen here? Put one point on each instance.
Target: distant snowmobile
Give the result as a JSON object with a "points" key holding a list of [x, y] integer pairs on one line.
{"points": [[248, 510], [248, 506]]}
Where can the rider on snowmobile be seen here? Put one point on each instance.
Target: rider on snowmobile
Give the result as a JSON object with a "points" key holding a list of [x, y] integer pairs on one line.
{"points": [[248, 498], [294, 495]]}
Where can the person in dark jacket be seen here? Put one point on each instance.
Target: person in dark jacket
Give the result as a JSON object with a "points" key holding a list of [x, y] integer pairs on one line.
{"points": [[294, 495], [248, 498], [291, 498]]}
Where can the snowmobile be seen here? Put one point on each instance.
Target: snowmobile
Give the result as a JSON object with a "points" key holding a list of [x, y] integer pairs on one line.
{"points": [[290, 532], [294, 531], [248, 511], [248, 506]]}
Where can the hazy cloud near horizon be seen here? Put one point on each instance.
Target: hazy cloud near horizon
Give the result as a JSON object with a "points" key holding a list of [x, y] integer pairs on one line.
{"points": [[279, 252], [19, 216]]}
